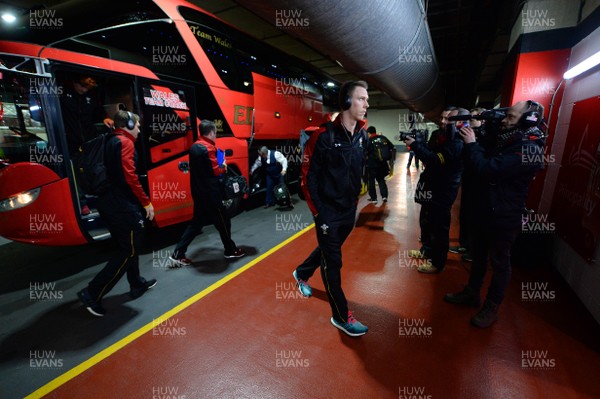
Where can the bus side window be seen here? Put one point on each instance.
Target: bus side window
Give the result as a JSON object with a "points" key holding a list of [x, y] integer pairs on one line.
{"points": [[166, 120], [23, 135]]}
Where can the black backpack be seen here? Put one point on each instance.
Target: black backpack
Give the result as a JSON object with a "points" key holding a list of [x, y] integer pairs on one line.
{"points": [[233, 185], [380, 148], [304, 137], [93, 174], [282, 195]]}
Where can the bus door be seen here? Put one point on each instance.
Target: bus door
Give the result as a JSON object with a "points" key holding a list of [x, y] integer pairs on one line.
{"points": [[35, 201], [168, 128], [87, 98]]}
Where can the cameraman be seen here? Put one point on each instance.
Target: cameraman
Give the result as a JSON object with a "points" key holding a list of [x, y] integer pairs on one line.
{"points": [[502, 182], [437, 190], [467, 196], [443, 123]]}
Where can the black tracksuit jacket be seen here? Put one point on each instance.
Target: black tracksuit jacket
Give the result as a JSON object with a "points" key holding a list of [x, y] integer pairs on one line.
{"points": [[332, 170]]}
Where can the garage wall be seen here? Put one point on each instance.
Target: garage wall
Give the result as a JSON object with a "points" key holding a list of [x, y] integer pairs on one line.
{"points": [[582, 276], [391, 122]]}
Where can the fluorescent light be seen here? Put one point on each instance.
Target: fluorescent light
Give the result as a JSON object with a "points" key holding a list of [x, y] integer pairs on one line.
{"points": [[583, 66], [330, 84], [7, 17]]}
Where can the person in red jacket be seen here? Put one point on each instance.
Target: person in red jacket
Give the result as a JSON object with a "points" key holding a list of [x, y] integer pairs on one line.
{"points": [[207, 195], [123, 208]]}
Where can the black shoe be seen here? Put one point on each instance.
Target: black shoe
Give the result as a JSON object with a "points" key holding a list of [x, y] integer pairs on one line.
{"points": [[90, 303], [457, 250], [179, 262], [137, 292], [464, 297], [467, 257], [238, 253], [486, 316]]}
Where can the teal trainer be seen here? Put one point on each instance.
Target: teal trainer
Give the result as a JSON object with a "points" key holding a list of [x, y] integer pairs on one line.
{"points": [[352, 327], [302, 286]]}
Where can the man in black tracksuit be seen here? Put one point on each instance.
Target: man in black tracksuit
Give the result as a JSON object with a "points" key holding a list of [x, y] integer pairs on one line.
{"points": [[436, 191], [208, 198], [123, 208], [331, 180], [377, 163], [80, 112], [502, 175]]}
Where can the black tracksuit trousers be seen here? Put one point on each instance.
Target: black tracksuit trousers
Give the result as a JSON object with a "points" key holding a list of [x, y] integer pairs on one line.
{"points": [[332, 227], [127, 229], [208, 214]]}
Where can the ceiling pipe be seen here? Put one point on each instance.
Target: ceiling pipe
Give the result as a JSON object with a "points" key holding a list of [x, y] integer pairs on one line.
{"points": [[387, 43]]}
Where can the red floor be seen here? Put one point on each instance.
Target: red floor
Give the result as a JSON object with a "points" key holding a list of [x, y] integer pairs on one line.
{"points": [[254, 337]]}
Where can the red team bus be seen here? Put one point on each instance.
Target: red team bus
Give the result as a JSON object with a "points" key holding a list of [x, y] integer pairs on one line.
{"points": [[168, 61]]}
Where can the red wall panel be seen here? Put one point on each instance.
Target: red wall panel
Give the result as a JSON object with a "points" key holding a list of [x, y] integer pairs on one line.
{"points": [[537, 77], [576, 202]]}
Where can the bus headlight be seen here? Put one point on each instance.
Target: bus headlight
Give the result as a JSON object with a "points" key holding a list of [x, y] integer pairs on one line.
{"points": [[20, 200]]}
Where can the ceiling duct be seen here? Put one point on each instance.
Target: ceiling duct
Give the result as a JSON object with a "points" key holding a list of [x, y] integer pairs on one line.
{"points": [[384, 42]]}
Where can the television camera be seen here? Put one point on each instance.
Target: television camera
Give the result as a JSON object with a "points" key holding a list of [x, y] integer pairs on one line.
{"points": [[415, 134], [489, 116]]}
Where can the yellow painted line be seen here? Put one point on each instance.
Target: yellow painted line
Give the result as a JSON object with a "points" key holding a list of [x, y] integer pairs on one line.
{"points": [[75, 371]]}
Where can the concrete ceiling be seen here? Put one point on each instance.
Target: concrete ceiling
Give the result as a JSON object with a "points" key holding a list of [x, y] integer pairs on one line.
{"points": [[237, 15], [470, 38]]}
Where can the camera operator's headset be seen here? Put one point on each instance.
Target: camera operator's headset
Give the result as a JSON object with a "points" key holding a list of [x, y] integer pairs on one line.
{"points": [[345, 97], [531, 117]]}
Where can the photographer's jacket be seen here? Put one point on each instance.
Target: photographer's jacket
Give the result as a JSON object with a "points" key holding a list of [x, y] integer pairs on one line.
{"points": [[440, 180], [502, 177], [332, 170]]}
